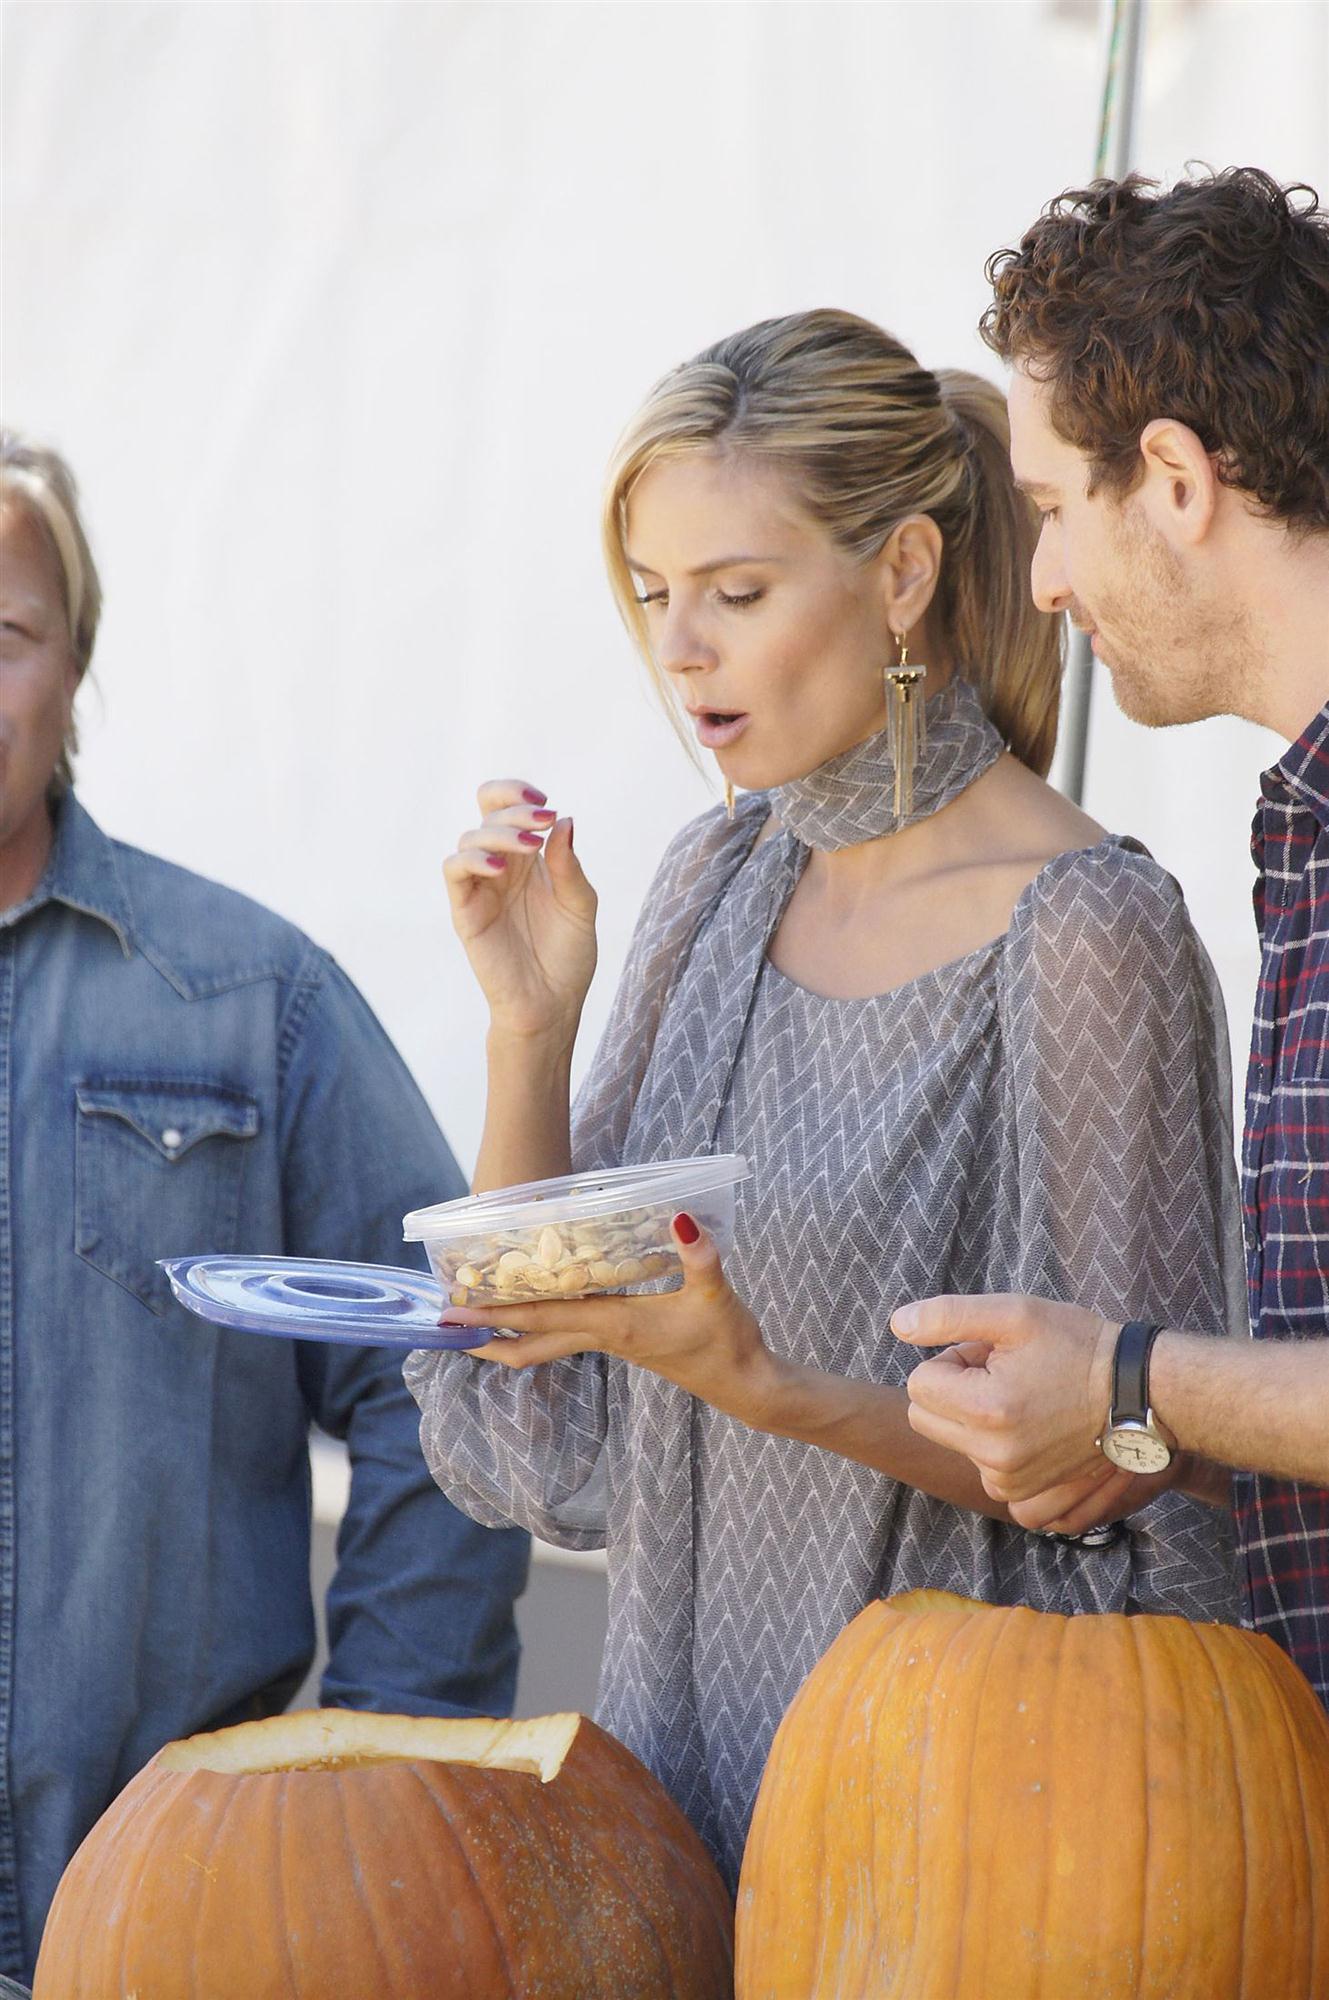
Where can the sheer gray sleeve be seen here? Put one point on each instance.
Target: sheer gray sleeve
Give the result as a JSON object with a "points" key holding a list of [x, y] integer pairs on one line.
{"points": [[517, 1448], [529, 1447], [1122, 1096]]}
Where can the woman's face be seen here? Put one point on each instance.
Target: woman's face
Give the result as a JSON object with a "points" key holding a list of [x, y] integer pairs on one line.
{"points": [[774, 639]]}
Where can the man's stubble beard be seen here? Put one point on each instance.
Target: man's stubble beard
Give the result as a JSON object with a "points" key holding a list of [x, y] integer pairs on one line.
{"points": [[1173, 656]]}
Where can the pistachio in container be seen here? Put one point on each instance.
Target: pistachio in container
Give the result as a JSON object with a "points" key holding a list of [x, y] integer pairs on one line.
{"points": [[576, 1235]]}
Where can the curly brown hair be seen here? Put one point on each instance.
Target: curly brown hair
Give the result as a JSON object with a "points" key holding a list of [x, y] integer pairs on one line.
{"points": [[1208, 303]]}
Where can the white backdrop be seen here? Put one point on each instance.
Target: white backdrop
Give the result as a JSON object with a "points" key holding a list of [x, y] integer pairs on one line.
{"points": [[336, 310]]}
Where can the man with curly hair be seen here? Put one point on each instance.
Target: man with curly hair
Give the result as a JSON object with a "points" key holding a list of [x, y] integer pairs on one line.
{"points": [[1170, 419]]}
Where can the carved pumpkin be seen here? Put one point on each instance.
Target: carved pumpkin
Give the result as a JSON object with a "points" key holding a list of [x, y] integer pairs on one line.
{"points": [[965, 1802], [331, 1855]]}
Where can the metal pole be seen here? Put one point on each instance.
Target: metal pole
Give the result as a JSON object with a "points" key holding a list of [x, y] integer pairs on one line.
{"points": [[1076, 694], [1121, 88], [1132, 64]]}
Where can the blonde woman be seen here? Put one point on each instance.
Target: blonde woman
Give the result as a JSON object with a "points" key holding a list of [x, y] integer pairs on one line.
{"points": [[968, 1041]]}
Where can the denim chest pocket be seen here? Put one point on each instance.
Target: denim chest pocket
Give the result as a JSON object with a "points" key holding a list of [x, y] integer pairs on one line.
{"points": [[158, 1170]]}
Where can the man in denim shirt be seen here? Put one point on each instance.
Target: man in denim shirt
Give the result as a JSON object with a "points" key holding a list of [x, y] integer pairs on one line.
{"points": [[180, 1070]]}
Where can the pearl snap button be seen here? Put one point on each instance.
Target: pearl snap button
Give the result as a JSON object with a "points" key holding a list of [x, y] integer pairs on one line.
{"points": [[172, 1139]]}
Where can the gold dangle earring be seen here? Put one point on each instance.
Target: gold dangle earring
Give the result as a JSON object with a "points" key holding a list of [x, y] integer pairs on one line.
{"points": [[729, 798], [906, 724]]}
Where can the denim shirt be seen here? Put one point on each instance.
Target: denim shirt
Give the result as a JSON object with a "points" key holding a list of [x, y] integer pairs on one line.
{"points": [[180, 1070]]}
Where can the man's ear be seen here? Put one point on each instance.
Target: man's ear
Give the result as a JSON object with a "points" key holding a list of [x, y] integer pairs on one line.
{"points": [[1181, 486]]}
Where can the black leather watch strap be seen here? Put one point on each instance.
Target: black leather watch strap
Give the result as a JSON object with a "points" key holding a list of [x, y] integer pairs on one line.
{"points": [[1130, 1372]]}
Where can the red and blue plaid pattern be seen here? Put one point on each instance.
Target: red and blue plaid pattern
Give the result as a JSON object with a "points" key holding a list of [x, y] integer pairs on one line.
{"points": [[1283, 1528]]}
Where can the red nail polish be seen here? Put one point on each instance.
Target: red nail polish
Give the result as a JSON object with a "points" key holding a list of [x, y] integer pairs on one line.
{"points": [[497, 860], [531, 839], [569, 834], [546, 817], [534, 798], [685, 1228]]}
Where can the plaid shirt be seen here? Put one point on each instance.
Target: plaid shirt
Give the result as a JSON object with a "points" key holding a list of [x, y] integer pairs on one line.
{"points": [[1283, 1529]]}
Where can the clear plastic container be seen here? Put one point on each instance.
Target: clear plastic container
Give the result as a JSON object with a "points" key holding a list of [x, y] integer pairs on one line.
{"points": [[580, 1234]]}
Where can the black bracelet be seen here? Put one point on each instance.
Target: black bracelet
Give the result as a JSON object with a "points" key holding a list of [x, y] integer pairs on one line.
{"points": [[1104, 1536]]}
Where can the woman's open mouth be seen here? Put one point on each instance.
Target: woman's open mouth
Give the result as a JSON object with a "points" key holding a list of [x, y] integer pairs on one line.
{"points": [[716, 727]]}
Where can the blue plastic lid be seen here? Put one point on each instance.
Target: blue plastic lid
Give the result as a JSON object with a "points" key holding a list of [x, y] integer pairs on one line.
{"points": [[315, 1298]]}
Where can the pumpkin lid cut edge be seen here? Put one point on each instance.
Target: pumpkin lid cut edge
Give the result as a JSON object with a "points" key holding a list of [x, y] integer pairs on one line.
{"points": [[327, 1739]]}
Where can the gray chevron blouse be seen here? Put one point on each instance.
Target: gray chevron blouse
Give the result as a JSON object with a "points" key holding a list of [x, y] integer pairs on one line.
{"points": [[1049, 1114]]}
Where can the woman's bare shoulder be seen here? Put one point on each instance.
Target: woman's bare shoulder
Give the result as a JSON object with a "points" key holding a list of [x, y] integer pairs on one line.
{"points": [[1010, 827], [1040, 821]]}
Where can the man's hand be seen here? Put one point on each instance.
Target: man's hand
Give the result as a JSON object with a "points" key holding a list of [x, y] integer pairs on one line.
{"points": [[1081, 1504], [1025, 1395]]}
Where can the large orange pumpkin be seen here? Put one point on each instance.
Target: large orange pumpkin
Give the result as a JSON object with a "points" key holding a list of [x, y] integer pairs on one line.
{"points": [[970, 1803], [337, 1856]]}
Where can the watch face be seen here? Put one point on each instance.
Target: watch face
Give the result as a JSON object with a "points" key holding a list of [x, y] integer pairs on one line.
{"points": [[1136, 1449]]}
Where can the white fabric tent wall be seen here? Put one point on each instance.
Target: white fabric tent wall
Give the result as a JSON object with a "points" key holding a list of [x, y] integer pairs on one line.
{"points": [[336, 310]]}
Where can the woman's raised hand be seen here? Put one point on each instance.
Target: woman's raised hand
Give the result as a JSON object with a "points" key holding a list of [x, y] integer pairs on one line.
{"points": [[524, 910]]}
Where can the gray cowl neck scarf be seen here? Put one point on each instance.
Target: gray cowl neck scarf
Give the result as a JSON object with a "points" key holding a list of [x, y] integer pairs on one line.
{"points": [[851, 799]]}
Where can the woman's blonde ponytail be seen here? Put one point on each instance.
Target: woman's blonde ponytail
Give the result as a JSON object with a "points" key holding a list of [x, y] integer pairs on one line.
{"points": [[1012, 651]]}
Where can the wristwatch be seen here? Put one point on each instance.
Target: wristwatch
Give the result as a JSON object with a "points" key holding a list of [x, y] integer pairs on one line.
{"points": [[1131, 1437]]}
